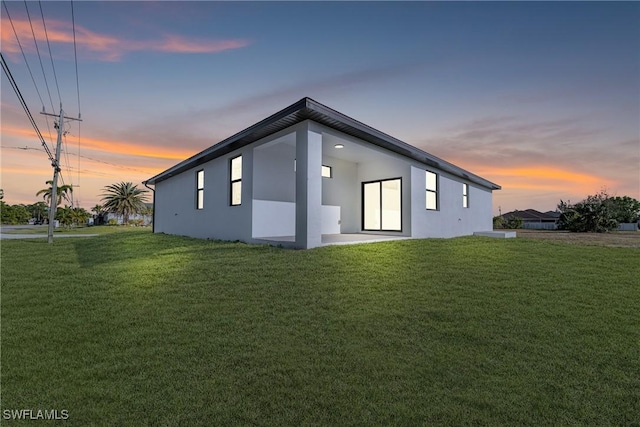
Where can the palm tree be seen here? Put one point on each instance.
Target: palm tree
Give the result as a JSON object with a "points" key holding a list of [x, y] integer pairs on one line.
{"points": [[79, 216], [38, 211], [97, 209], [63, 191], [98, 214], [124, 199], [65, 216]]}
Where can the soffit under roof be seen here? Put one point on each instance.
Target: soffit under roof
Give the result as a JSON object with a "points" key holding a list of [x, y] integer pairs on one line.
{"points": [[308, 109]]}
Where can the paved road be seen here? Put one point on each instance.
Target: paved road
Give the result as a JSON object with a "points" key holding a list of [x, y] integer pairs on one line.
{"points": [[4, 236], [7, 236]]}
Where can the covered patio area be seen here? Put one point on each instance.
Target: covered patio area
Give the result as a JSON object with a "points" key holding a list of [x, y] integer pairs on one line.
{"points": [[313, 186]]}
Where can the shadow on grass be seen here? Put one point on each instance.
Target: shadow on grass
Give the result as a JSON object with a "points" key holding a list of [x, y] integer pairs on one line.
{"points": [[107, 249], [139, 245]]}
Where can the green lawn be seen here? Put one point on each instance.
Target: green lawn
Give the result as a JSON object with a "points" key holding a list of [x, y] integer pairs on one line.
{"points": [[131, 328]]}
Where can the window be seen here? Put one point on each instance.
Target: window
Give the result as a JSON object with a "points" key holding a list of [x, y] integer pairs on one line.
{"points": [[326, 170], [382, 205], [200, 189], [432, 191], [236, 181], [465, 195]]}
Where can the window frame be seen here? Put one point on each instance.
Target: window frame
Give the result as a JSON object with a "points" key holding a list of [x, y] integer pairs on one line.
{"points": [[200, 190], [381, 229], [434, 191], [234, 181], [465, 195]]}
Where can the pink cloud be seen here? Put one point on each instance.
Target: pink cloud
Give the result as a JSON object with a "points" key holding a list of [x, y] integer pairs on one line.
{"points": [[107, 47], [177, 43]]}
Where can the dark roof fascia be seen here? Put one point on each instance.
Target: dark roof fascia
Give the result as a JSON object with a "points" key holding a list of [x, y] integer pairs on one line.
{"points": [[381, 139], [309, 109], [227, 145]]}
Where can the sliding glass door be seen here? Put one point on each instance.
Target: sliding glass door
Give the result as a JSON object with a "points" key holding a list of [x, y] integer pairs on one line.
{"points": [[382, 205]]}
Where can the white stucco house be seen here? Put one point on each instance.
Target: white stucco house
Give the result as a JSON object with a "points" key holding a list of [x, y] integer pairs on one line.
{"points": [[308, 176]]}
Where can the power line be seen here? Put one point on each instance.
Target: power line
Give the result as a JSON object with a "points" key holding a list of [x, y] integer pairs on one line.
{"points": [[14, 85], [79, 152], [42, 68], [83, 156], [23, 55], [66, 151], [39, 57], [75, 55], [67, 163], [55, 77], [27, 64], [55, 162]]}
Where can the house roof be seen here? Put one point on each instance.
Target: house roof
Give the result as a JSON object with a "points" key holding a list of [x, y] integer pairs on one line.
{"points": [[533, 215], [309, 109]]}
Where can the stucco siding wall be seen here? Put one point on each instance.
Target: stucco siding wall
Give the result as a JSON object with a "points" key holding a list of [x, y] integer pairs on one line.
{"points": [[340, 190], [275, 175], [278, 219], [176, 211], [451, 219]]}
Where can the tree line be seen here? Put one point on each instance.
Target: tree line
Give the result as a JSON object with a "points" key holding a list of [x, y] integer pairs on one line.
{"points": [[596, 213], [124, 199]]}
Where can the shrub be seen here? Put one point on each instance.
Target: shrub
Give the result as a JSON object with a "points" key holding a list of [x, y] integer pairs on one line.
{"points": [[625, 209], [511, 222], [596, 213], [514, 222], [14, 214]]}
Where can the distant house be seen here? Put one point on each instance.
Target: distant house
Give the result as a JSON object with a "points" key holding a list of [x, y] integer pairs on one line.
{"points": [[308, 176], [534, 219], [105, 217]]}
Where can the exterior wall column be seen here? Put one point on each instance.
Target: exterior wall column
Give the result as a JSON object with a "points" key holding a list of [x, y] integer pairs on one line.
{"points": [[418, 202], [308, 188]]}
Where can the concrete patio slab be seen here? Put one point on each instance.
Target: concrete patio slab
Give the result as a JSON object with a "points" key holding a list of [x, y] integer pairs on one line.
{"points": [[498, 234]]}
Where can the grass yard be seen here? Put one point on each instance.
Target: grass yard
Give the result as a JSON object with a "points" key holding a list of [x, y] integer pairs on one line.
{"points": [[131, 328], [622, 239]]}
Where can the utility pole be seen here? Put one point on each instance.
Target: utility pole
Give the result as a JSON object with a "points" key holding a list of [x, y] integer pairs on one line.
{"points": [[56, 170]]}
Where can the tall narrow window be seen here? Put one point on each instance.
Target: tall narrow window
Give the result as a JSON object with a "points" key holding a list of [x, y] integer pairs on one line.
{"points": [[432, 191], [465, 195], [200, 189], [371, 211], [236, 181]]}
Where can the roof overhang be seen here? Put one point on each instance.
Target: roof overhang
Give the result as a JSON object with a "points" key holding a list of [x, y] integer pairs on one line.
{"points": [[308, 109]]}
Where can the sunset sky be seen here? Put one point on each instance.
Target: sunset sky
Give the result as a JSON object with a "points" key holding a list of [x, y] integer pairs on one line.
{"points": [[542, 98]]}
